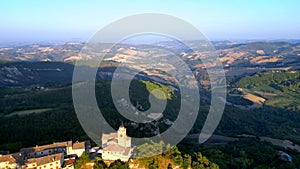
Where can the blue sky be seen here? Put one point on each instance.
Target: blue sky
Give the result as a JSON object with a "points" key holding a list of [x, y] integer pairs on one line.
{"points": [[39, 20]]}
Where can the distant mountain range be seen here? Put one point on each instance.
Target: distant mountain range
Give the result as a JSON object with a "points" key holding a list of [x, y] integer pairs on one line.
{"points": [[269, 54], [237, 58]]}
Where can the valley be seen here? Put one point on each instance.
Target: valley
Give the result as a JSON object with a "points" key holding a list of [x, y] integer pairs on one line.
{"points": [[263, 87]]}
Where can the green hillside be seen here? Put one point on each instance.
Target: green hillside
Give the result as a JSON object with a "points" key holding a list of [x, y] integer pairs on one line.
{"points": [[280, 88]]}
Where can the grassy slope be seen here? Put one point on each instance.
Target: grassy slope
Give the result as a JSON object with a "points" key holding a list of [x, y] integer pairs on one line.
{"points": [[270, 121], [285, 87]]}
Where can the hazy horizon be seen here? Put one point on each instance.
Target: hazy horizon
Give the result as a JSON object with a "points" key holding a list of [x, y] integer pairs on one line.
{"points": [[34, 21]]}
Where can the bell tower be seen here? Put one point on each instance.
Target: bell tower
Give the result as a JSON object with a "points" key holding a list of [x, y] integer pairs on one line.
{"points": [[122, 136]]}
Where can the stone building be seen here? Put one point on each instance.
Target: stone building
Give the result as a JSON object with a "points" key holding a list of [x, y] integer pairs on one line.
{"points": [[116, 145]]}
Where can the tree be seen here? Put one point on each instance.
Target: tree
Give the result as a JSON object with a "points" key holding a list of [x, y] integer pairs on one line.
{"points": [[118, 164], [153, 164], [100, 165], [201, 162], [187, 160], [83, 159], [176, 156]]}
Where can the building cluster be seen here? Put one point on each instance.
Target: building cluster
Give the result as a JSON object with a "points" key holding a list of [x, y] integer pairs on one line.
{"points": [[52, 156], [115, 146]]}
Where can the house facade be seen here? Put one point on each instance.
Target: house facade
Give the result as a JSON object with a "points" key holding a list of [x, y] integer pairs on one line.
{"points": [[66, 148], [11, 161], [51, 156], [54, 161]]}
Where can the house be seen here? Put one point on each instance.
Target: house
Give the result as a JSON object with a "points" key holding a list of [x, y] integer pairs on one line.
{"points": [[79, 147], [54, 161], [69, 163], [45, 150], [116, 145], [11, 161], [67, 148], [49, 156]]}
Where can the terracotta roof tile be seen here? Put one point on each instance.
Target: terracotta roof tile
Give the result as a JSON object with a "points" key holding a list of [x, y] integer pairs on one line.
{"points": [[45, 147], [68, 162], [46, 159], [79, 145], [12, 158], [114, 148]]}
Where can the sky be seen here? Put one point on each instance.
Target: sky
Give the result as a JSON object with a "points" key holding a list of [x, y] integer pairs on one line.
{"points": [[36, 20]]}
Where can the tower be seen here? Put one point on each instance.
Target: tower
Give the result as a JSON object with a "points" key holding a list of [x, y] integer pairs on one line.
{"points": [[122, 136]]}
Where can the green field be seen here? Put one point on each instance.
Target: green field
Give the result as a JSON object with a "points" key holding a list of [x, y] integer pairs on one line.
{"points": [[280, 88]]}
